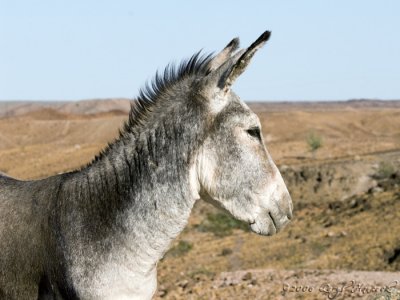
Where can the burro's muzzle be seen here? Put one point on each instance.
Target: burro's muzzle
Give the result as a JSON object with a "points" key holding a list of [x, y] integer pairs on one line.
{"points": [[275, 208]]}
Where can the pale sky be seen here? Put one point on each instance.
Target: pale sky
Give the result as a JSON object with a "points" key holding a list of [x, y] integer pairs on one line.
{"points": [[319, 50]]}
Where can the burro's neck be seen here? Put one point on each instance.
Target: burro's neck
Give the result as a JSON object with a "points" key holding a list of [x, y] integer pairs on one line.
{"points": [[160, 205], [144, 187]]}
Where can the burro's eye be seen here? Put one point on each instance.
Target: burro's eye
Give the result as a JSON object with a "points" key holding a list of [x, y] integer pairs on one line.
{"points": [[254, 132]]}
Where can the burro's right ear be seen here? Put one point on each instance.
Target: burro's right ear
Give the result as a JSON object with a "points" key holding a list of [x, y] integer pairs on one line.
{"points": [[238, 67], [228, 65]]}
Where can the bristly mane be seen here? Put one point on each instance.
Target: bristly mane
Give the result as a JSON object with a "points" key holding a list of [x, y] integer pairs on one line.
{"points": [[152, 92]]}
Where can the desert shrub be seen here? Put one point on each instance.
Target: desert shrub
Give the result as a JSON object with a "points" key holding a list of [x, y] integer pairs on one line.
{"points": [[317, 247], [226, 251], [385, 170], [314, 141], [387, 293], [180, 249], [200, 272], [221, 224]]}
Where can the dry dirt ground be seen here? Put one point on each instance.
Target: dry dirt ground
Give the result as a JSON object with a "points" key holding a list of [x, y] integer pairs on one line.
{"points": [[344, 239]]}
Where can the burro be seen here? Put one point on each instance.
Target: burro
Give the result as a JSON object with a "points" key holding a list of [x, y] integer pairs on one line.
{"points": [[98, 232]]}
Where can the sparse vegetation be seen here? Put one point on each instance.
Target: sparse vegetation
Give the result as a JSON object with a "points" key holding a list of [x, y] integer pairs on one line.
{"points": [[385, 170], [180, 249], [226, 251], [221, 224], [317, 248], [201, 272], [314, 141], [389, 293]]}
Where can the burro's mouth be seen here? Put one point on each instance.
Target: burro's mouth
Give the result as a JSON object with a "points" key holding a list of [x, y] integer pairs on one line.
{"points": [[269, 224]]}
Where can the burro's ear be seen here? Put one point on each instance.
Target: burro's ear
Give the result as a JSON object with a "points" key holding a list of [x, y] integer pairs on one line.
{"points": [[225, 54], [241, 64], [227, 66]]}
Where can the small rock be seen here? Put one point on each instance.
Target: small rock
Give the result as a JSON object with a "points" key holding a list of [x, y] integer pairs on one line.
{"points": [[335, 205], [253, 282], [330, 234], [353, 203], [283, 168], [162, 291], [183, 284], [247, 276], [375, 166], [376, 190]]}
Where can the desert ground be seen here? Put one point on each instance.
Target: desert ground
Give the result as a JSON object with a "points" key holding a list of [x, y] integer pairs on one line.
{"points": [[340, 161]]}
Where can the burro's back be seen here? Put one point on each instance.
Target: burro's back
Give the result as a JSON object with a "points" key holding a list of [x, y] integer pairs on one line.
{"points": [[98, 232]]}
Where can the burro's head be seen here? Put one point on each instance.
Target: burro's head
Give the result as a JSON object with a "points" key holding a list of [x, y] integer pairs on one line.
{"points": [[233, 166]]}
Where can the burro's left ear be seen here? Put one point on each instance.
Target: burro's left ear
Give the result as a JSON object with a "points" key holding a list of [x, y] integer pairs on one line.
{"points": [[231, 65]]}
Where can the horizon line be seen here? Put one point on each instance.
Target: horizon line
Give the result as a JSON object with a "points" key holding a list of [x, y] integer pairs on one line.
{"points": [[253, 100]]}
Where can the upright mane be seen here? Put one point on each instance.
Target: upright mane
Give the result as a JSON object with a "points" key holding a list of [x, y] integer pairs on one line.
{"points": [[152, 92]]}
